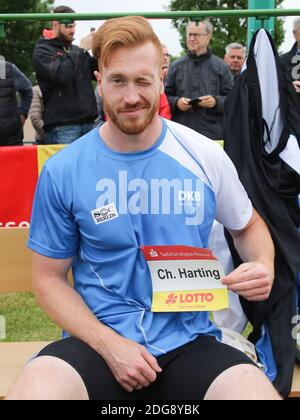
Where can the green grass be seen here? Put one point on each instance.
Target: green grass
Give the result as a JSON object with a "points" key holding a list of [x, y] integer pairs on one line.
{"points": [[25, 321]]}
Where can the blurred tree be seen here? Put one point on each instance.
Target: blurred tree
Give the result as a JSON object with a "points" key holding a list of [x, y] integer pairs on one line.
{"points": [[226, 30], [20, 37]]}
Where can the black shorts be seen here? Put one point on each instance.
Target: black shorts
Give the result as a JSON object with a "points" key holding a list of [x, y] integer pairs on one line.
{"points": [[187, 372]]}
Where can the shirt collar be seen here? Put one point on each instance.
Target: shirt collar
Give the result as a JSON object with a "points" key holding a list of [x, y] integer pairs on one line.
{"points": [[199, 57]]}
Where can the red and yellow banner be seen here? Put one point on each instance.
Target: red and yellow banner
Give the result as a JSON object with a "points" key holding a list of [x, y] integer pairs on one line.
{"points": [[19, 171]]}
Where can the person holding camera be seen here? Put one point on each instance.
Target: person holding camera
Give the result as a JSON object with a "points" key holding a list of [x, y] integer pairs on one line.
{"points": [[197, 84]]}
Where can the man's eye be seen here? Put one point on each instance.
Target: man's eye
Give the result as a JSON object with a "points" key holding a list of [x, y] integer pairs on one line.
{"points": [[118, 81]]}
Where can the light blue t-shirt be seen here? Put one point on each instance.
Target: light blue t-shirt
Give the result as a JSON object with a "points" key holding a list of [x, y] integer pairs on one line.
{"points": [[100, 206]]}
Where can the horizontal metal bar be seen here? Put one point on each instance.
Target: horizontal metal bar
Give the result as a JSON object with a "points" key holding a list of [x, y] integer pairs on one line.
{"points": [[153, 15]]}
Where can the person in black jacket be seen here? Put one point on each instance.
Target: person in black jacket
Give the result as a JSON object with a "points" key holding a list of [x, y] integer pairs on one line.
{"points": [[64, 73], [258, 140], [12, 115], [200, 76], [291, 67]]}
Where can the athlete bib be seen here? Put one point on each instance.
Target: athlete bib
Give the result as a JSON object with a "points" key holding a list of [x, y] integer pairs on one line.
{"points": [[185, 279]]}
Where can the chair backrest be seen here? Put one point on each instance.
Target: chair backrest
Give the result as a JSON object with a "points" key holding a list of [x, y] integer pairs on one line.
{"points": [[15, 261]]}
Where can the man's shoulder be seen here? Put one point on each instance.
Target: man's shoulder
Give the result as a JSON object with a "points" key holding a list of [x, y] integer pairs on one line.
{"points": [[43, 45], [51, 44], [8, 63], [287, 57], [181, 60], [77, 48], [190, 139], [9, 70], [43, 42], [9, 66], [218, 63], [207, 154]]}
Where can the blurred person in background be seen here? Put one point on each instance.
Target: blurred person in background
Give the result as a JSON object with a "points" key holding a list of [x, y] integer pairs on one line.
{"points": [[164, 107], [291, 67], [36, 115], [235, 58], [166, 60], [12, 115]]}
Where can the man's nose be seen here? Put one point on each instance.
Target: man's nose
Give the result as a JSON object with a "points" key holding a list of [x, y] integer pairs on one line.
{"points": [[131, 95]]}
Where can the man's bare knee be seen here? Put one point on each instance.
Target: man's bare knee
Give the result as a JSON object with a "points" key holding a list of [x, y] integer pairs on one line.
{"points": [[242, 382], [48, 378]]}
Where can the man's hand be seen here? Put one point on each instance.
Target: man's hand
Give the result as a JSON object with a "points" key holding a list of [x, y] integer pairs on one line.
{"points": [[86, 42], [132, 365], [208, 101], [183, 104], [251, 280], [297, 86]]}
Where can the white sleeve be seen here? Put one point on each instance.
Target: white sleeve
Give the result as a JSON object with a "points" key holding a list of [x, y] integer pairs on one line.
{"points": [[234, 208]]}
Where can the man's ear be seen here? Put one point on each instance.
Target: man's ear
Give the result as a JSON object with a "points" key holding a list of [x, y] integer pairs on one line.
{"points": [[55, 26], [98, 77], [161, 83]]}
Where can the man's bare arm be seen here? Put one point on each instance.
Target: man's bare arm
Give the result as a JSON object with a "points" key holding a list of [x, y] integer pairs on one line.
{"points": [[131, 364], [254, 278]]}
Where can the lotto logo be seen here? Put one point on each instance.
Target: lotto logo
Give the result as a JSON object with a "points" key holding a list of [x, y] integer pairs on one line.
{"points": [[196, 298], [190, 298], [171, 299]]}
